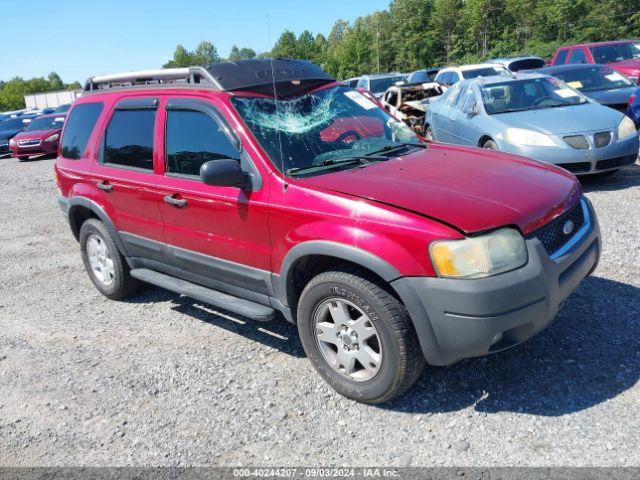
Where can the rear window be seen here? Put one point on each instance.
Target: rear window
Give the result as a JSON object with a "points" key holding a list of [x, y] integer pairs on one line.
{"points": [[128, 141], [481, 72], [526, 64], [80, 124]]}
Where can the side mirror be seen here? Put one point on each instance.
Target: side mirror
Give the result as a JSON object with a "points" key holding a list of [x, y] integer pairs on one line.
{"points": [[225, 172], [472, 110]]}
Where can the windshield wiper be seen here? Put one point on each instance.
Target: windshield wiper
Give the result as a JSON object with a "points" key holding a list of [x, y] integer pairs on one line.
{"points": [[395, 146], [328, 165]]}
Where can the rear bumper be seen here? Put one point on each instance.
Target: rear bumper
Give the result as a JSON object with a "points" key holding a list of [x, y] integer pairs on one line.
{"points": [[457, 319]]}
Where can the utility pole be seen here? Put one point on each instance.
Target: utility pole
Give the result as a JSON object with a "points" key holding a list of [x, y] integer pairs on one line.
{"points": [[378, 45]]}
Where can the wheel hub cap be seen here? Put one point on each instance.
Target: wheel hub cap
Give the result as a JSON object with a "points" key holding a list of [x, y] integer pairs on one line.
{"points": [[100, 259], [348, 340]]}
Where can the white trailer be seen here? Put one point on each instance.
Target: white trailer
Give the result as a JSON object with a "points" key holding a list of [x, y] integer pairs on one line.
{"points": [[50, 99]]}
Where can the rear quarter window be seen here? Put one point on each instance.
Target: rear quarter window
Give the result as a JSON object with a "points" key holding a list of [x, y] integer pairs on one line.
{"points": [[80, 124], [561, 57]]}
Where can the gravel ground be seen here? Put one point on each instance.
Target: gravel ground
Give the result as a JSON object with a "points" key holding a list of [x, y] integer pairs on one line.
{"points": [[164, 380]]}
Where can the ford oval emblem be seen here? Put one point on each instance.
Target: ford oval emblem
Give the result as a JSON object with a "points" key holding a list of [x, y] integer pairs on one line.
{"points": [[567, 228]]}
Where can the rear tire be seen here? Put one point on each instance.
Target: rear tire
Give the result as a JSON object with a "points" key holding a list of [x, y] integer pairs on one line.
{"points": [[358, 336], [103, 261], [490, 144]]}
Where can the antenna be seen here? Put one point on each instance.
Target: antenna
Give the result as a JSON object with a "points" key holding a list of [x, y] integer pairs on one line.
{"points": [[275, 106]]}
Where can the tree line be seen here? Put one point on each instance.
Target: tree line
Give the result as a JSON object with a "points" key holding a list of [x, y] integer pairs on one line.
{"points": [[414, 34], [13, 91]]}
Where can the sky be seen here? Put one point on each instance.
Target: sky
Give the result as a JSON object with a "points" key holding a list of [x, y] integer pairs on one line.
{"points": [[78, 39]]}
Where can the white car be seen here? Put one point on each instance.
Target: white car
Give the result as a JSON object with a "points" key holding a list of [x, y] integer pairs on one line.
{"points": [[450, 75]]}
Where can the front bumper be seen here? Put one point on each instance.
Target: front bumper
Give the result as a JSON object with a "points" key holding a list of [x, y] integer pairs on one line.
{"points": [[582, 161], [43, 148], [457, 319]]}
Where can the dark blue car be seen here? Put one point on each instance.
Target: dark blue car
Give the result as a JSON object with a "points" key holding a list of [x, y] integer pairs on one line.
{"points": [[599, 82]]}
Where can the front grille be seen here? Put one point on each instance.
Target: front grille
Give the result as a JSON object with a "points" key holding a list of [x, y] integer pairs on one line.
{"points": [[616, 162], [29, 143], [602, 139], [577, 141], [621, 107], [551, 235], [578, 167]]}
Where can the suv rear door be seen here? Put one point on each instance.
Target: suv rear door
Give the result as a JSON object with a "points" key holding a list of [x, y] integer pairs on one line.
{"points": [[124, 174], [218, 233]]}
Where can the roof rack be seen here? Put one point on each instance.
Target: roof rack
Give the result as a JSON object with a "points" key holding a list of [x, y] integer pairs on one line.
{"points": [[190, 75], [281, 75]]}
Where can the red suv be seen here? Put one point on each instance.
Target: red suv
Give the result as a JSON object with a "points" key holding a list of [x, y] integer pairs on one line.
{"points": [[266, 187], [622, 55]]}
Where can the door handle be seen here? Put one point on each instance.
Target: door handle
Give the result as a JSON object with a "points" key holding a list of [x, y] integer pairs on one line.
{"points": [[176, 202], [105, 186]]}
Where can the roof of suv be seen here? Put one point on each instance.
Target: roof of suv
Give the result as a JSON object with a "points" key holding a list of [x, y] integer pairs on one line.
{"points": [[254, 75], [597, 44]]}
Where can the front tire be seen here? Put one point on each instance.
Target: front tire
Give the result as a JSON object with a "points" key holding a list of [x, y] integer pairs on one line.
{"points": [[103, 261], [358, 336]]}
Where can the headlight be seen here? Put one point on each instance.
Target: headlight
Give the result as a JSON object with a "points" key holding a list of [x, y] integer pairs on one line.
{"points": [[482, 256], [52, 138], [626, 128], [12, 141], [521, 136]]}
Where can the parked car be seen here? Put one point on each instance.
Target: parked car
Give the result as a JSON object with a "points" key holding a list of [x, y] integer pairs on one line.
{"points": [[309, 201], [409, 102], [378, 84], [9, 128], [451, 75], [41, 137], [599, 82], [536, 116], [633, 108], [422, 76], [517, 64], [623, 56]]}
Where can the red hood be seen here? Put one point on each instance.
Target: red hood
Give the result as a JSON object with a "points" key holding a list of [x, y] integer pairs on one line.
{"points": [[37, 134], [627, 67], [471, 189]]}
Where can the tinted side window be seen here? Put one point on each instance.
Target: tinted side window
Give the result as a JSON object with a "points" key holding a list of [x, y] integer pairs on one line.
{"points": [[129, 139], [561, 57], [577, 56], [79, 126], [194, 138]]}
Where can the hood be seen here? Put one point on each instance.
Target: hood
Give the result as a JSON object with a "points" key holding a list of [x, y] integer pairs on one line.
{"points": [[563, 120], [37, 134], [471, 189], [626, 66], [615, 96]]}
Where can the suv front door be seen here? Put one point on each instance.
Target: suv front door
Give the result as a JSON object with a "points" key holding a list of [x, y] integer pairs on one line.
{"points": [[219, 234]]}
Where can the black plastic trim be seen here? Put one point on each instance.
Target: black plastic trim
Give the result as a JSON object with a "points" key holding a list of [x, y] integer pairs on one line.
{"points": [[78, 202], [283, 283]]}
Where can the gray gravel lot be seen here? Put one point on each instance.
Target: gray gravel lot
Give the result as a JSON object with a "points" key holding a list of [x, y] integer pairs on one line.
{"points": [[164, 380]]}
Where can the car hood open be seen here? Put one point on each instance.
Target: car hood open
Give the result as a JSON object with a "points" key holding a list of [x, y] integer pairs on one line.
{"points": [[468, 188], [564, 120]]}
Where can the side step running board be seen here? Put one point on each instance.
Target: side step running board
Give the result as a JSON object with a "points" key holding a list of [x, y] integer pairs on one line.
{"points": [[247, 308]]}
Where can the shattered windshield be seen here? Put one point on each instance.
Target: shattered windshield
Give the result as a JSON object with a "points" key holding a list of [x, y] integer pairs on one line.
{"points": [[333, 127]]}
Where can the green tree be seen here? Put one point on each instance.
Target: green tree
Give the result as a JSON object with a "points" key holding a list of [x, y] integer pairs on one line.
{"points": [[286, 46]]}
